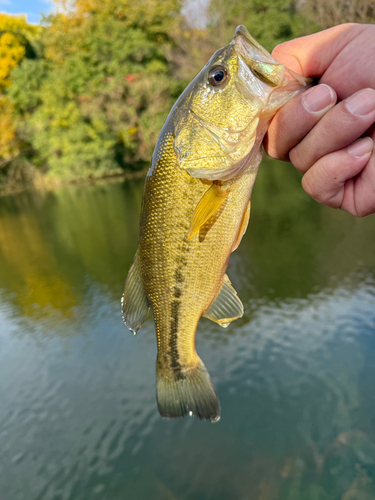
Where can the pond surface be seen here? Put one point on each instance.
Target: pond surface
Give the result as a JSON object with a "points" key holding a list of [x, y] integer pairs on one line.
{"points": [[295, 375]]}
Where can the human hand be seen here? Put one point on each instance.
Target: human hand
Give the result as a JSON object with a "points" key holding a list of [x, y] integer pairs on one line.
{"points": [[321, 138]]}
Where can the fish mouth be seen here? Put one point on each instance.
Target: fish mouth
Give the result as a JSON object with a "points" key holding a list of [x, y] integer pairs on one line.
{"points": [[261, 63], [250, 49], [241, 31]]}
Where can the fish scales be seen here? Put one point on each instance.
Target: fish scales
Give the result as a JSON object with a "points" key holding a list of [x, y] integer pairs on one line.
{"points": [[196, 206], [169, 261]]}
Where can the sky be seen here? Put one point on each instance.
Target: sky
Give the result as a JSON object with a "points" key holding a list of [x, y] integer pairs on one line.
{"points": [[32, 8], [35, 8]]}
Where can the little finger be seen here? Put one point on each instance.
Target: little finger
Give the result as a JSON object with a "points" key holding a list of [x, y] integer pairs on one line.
{"points": [[325, 180]]}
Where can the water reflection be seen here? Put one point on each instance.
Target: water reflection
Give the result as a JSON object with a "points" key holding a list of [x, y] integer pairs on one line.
{"points": [[51, 244], [295, 375]]}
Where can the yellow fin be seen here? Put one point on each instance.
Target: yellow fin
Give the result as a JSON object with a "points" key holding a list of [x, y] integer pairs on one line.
{"points": [[134, 302], [226, 307], [243, 226], [210, 202]]}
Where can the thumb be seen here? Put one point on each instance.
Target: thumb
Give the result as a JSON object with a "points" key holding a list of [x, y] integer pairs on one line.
{"points": [[312, 55]]}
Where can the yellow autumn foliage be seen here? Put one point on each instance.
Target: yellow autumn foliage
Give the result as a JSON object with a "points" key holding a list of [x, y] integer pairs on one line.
{"points": [[41, 289], [11, 52], [9, 145], [15, 34]]}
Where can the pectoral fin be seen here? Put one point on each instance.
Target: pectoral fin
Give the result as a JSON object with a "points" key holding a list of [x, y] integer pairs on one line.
{"points": [[134, 302], [209, 204], [226, 307], [243, 227]]}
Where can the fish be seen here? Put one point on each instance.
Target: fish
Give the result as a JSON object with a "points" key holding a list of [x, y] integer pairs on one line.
{"points": [[195, 211]]}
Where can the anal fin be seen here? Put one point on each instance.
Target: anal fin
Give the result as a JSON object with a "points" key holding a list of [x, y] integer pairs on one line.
{"points": [[243, 226], [226, 307], [208, 205], [134, 302]]}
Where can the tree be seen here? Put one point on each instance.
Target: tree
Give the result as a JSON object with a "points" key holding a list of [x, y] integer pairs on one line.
{"points": [[328, 13], [106, 89], [18, 40], [269, 21]]}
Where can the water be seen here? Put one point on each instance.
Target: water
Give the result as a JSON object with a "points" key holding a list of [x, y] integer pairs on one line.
{"points": [[295, 375]]}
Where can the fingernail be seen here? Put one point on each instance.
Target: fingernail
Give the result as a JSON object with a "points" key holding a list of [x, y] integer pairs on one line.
{"points": [[318, 98], [361, 103], [361, 147]]}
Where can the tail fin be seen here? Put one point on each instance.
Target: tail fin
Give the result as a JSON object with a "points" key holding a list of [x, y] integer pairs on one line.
{"points": [[192, 393]]}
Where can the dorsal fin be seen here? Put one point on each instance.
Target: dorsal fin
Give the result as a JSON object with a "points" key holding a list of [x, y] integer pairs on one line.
{"points": [[226, 307], [210, 202], [134, 302]]}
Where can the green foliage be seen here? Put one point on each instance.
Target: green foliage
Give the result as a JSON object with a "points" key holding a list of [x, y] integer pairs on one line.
{"points": [[19, 41], [27, 80], [271, 22], [87, 94], [326, 13], [97, 101], [92, 100]]}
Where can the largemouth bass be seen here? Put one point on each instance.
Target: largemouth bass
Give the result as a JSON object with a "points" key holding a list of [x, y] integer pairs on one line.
{"points": [[196, 207]]}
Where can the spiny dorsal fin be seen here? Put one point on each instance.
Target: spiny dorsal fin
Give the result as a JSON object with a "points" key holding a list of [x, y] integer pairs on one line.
{"points": [[210, 202], [134, 302], [226, 307], [243, 226]]}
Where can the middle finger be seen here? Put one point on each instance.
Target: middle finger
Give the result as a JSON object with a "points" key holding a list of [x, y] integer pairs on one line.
{"points": [[339, 127]]}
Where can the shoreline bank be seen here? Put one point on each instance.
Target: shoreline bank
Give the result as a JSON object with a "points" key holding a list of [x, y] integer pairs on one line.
{"points": [[47, 183]]}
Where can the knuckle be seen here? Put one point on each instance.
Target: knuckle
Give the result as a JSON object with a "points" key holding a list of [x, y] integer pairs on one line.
{"points": [[296, 157], [275, 143], [320, 189], [310, 187]]}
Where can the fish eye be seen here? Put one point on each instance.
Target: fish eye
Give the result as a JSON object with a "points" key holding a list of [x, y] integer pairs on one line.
{"points": [[217, 76]]}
